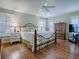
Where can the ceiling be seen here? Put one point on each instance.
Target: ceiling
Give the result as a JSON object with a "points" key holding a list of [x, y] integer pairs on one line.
{"points": [[33, 6]]}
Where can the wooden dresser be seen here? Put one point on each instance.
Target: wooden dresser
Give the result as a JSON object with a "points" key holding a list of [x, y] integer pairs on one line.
{"points": [[60, 30]]}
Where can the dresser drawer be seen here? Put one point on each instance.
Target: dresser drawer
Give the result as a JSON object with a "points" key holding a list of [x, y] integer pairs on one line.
{"points": [[60, 36]]}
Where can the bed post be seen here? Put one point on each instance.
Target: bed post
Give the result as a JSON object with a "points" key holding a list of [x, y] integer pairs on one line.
{"points": [[20, 35], [35, 41], [55, 34], [0, 44]]}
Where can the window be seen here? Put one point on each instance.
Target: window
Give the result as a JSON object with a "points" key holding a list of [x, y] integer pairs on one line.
{"points": [[42, 24], [3, 25], [75, 22], [46, 25], [6, 25]]}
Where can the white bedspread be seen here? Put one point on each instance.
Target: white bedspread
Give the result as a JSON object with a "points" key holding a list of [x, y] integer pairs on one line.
{"points": [[46, 34], [29, 36]]}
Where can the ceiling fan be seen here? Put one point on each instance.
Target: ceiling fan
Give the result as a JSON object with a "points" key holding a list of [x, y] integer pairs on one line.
{"points": [[46, 6]]}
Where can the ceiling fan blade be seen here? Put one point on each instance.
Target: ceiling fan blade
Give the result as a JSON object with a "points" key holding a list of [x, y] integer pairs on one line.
{"points": [[50, 6], [46, 9]]}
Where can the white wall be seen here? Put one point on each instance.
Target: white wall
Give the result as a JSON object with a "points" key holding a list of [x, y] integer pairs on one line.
{"points": [[20, 18], [65, 18], [23, 19]]}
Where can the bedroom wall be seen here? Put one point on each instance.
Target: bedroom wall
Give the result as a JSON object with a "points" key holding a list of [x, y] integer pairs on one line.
{"points": [[20, 18], [65, 18], [23, 19]]}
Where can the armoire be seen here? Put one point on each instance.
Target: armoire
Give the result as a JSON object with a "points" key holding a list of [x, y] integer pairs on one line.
{"points": [[60, 30]]}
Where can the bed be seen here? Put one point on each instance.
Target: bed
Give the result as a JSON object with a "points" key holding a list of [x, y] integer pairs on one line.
{"points": [[43, 39], [38, 40]]}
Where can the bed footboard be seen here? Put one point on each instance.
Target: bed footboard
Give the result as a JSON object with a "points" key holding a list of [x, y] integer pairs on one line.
{"points": [[41, 41]]}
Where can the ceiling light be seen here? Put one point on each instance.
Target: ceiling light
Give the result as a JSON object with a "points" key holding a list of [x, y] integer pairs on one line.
{"points": [[46, 4]]}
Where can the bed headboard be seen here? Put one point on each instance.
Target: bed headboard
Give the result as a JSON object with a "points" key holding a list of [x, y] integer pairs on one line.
{"points": [[29, 27]]}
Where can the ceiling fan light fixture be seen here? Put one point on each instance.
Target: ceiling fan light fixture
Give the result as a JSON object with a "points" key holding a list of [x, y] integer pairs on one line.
{"points": [[46, 4]]}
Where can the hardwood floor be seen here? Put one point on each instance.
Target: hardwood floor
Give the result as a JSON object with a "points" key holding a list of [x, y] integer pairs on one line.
{"points": [[61, 50]]}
